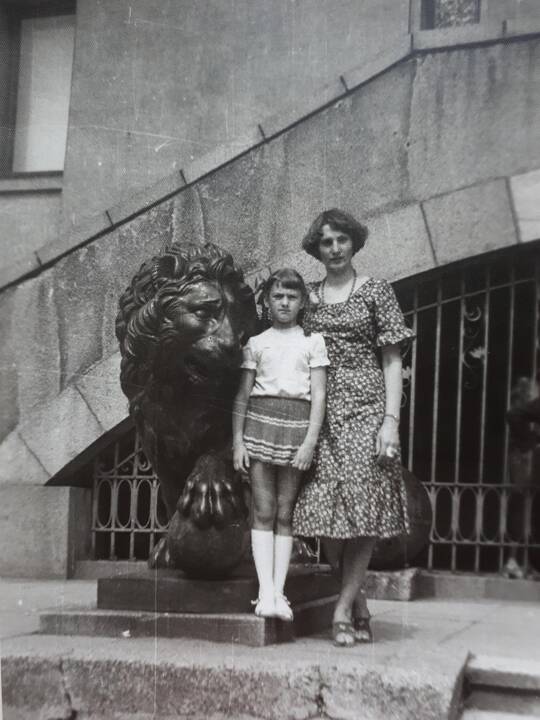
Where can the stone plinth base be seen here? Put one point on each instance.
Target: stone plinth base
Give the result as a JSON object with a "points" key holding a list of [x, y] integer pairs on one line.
{"points": [[246, 629], [170, 591], [395, 584]]}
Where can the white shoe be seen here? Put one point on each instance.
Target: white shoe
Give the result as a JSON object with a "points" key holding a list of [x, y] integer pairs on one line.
{"points": [[265, 606], [283, 608]]}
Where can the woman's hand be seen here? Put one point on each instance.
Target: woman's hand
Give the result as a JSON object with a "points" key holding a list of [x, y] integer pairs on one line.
{"points": [[387, 443], [240, 458], [304, 456]]}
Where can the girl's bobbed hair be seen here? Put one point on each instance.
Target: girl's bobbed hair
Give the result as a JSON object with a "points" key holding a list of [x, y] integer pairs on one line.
{"points": [[291, 280], [338, 220]]}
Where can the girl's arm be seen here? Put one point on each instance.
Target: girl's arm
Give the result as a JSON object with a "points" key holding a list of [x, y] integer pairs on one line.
{"points": [[304, 454], [388, 435], [240, 456]]}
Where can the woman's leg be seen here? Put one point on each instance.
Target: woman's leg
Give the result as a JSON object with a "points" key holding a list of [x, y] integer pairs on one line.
{"points": [[288, 485], [333, 552], [263, 495], [356, 556]]}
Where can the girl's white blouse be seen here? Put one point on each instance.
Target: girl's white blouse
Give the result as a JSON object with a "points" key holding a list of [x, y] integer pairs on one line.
{"points": [[282, 360]]}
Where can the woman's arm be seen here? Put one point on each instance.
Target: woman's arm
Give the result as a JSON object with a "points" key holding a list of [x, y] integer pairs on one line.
{"points": [[304, 454], [388, 435], [240, 456]]}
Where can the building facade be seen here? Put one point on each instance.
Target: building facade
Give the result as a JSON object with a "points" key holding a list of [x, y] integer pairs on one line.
{"points": [[237, 124]]}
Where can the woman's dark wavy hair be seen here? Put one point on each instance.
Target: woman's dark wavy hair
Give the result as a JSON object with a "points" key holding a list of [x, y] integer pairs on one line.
{"points": [[142, 325], [338, 220], [290, 279]]}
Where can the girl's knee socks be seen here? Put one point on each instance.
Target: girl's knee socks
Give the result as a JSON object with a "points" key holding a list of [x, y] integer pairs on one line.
{"points": [[262, 545], [282, 555]]}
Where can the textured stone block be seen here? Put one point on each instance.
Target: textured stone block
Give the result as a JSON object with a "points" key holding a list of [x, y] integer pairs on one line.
{"points": [[33, 337], [34, 687], [171, 591], [303, 106], [397, 246], [308, 267], [12, 272], [378, 63], [470, 120], [243, 628], [221, 154], [261, 206], [523, 25], [29, 221], [138, 202], [471, 221], [246, 629], [455, 36], [504, 672], [81, 233], [43, 530], [526, 196], [60, 431], [393, 584], [18, 464], [429, 690], [100, 387]]}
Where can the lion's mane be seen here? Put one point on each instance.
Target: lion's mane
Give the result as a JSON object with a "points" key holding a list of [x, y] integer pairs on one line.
{"points": [[142, 328]]}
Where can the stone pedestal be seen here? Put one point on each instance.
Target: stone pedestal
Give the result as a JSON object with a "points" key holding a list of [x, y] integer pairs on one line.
{"points": [[165, 603], [160, 591]]}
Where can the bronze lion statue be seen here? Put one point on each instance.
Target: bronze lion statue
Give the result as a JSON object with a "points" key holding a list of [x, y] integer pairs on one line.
{"points": [[181, 326]]}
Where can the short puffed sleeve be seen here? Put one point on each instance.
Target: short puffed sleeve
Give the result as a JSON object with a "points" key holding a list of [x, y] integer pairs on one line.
{"points": [[249, 357], [390, 327], [318, 354]]}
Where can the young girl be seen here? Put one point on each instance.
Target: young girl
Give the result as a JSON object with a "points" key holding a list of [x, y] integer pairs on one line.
{"points": [[278, 412]]}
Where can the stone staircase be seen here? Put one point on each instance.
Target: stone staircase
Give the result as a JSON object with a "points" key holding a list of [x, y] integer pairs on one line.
{"points": [[499, 688]]}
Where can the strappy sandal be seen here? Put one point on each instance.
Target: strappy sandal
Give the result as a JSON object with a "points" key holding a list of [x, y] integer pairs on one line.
{"points": [[264, 606], [362, 630], [343, 634], [283, 609]]}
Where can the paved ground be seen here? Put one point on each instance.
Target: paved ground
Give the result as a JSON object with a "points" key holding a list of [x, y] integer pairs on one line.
{"points": [[418, 652], [486, 627]]}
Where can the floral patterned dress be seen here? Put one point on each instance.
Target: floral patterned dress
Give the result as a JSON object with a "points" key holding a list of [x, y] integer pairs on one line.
{"points": [[346, 493]]}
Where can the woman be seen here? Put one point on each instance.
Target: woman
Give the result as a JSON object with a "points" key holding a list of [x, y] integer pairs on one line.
{"points": [[355, 492]]}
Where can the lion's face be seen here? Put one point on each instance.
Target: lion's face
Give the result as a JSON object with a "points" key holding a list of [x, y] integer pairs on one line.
{"points": [[207, 326]]}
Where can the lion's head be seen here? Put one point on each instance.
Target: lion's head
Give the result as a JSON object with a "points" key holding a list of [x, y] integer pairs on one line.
{"points": [[186, 314]]}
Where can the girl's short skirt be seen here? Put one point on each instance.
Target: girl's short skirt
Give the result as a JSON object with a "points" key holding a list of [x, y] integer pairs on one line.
{"points": [[275, 428]]}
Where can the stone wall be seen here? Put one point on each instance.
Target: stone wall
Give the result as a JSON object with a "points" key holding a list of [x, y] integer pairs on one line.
{"points": [[221, 67], [427, 153]]}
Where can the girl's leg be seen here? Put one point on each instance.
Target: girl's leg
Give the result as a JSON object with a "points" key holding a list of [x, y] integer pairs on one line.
{"points": [[263, 494], [356, 556], [288, 484]]}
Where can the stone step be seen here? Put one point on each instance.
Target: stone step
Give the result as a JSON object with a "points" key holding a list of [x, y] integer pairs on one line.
{"points": [[243, 628], [501, 687], [45, 677], [476, 586]]}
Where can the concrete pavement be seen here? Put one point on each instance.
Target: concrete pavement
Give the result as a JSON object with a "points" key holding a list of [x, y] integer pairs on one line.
{"points": [[413, 670]]}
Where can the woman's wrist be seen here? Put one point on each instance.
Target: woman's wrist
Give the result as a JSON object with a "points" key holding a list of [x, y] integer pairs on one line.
{"points": [[392, 417]]}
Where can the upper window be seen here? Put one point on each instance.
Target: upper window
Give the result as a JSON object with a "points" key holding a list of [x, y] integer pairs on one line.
{"points": [[41, 42], [448, 13]]}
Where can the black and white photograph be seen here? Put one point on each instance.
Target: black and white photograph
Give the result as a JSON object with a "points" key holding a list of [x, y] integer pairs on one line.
{"points": [[269, 359]]}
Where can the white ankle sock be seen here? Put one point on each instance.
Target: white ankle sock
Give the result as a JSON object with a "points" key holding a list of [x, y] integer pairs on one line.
{"points": [[282, 555], [262, 546]]}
